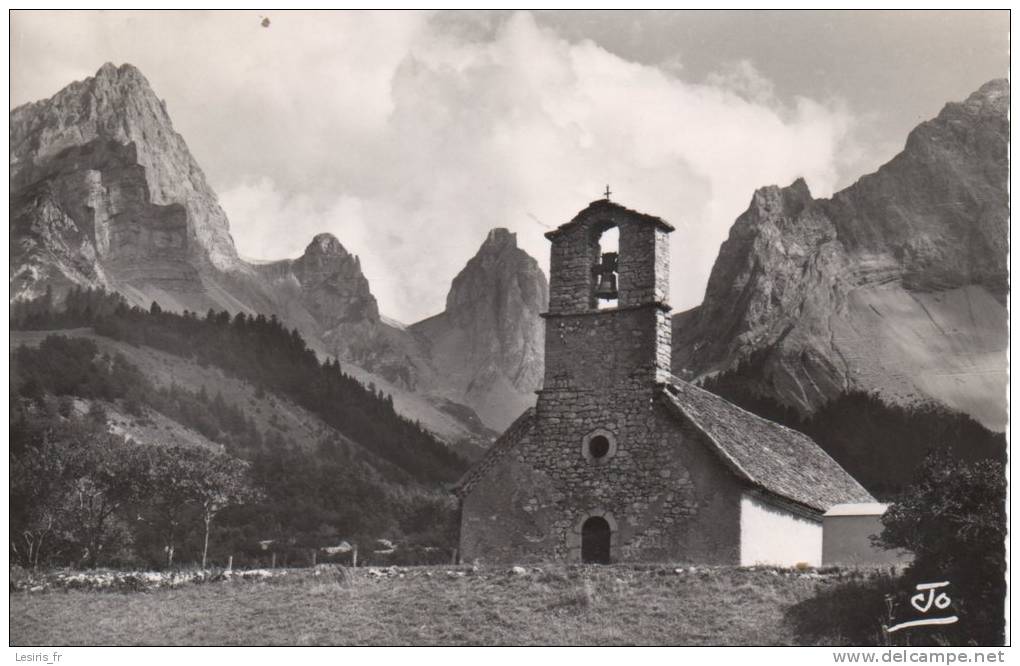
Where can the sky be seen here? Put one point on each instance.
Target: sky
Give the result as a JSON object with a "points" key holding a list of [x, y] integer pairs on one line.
{"points": [[409, 135]]}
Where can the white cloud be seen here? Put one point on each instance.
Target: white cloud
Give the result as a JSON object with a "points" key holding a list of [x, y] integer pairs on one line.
{"points": [[743, 78], [409, 137]]}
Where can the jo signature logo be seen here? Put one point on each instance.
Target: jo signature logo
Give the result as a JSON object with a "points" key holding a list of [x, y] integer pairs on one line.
{"points": [[930, 597]]}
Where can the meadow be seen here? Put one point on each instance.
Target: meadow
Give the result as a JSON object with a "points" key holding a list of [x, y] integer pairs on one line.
{"points": [[550, 605]]}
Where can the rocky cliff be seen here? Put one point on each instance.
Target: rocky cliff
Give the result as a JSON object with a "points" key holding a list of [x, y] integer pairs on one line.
{"points": [[896, 284], [326, 289], [334, 288], [105, 192], [488, 343]]}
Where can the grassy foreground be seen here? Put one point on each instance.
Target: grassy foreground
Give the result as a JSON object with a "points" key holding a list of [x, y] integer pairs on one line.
{"points": [[577, 605]]}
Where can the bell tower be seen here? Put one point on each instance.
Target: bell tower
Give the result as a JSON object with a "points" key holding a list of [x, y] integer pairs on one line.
{"points": [[591, 347]]}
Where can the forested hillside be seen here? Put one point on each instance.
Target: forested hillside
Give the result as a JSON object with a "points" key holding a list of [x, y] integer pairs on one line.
{"points": [[368, 475], [879, 444], [263, 351]]}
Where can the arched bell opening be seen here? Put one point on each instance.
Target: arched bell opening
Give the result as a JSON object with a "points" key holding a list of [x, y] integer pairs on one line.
{"points": [[605, 271]]}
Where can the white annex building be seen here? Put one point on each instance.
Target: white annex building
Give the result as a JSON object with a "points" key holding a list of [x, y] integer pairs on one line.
{"points": [[847, 530]]}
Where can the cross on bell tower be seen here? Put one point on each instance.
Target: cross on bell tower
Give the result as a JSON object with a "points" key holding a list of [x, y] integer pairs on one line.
{"points": [[607, 193]]}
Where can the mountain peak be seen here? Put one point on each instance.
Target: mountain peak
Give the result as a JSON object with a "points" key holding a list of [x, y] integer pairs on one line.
{"points": [[991, 92], [490, 338], [114, 123], [772, 200], [498, 265], [800, 187], [326, 244], [109, 69], [498, 239], [981, 122], [125, 81], [333, 287]]}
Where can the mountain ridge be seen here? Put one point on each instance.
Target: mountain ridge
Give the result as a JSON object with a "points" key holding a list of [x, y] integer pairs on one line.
{"points": [[894, 284], [105, 194]]}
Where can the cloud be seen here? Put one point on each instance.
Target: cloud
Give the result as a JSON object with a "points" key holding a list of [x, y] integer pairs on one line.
{"points": [[743, 78], [410, 135], [273, 224]]}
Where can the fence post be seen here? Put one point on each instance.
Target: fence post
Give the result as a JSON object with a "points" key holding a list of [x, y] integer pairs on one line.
{"points": [[273, 565], [230, 563], [354, 556]]}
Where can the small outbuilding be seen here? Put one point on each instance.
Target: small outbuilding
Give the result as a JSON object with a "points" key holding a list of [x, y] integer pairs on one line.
{"points": [[846, 536]]}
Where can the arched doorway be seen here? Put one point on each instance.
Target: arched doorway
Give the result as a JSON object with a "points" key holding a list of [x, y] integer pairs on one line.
{"points": [[596, 536]]}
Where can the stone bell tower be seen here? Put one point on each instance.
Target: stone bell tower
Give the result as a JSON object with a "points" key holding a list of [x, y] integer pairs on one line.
{"points": [[602, 349], [607, 353]]}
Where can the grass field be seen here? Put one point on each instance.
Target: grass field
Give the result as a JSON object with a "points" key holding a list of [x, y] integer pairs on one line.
{"points": [[613, 605]]}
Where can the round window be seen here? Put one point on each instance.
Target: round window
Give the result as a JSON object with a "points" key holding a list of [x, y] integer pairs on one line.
{"points": [[598, 446]]}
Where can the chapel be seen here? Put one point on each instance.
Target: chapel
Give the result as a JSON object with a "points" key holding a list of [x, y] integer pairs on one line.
{"points": [[620, 461]]}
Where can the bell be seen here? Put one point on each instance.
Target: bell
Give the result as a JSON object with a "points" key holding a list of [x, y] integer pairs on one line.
{"points": [[606, 270], [607, 287]]}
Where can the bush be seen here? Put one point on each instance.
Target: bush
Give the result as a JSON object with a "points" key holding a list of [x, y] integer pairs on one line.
{"points": [[850, 613], [953, 518]]}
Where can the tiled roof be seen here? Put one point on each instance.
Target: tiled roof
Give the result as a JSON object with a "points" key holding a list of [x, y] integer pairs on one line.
{"points": [[773, 457], [610, 209]]}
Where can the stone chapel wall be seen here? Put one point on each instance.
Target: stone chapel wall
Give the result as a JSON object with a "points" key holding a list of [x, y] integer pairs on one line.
{"points": [[667, 496]]}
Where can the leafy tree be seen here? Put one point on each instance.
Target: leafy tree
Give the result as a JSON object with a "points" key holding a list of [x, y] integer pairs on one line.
{"points": [[103, 475], [171, 481], [37, 469], [953, 518], [31, 389], [186, 480], [68, 481], [223, 481]]}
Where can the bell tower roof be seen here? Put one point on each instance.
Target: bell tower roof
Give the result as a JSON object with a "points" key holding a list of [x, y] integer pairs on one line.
{"points": [[606, 209]]}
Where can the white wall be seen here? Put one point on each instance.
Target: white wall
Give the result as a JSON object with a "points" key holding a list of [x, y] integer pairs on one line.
{"points": [[769, 535]]}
